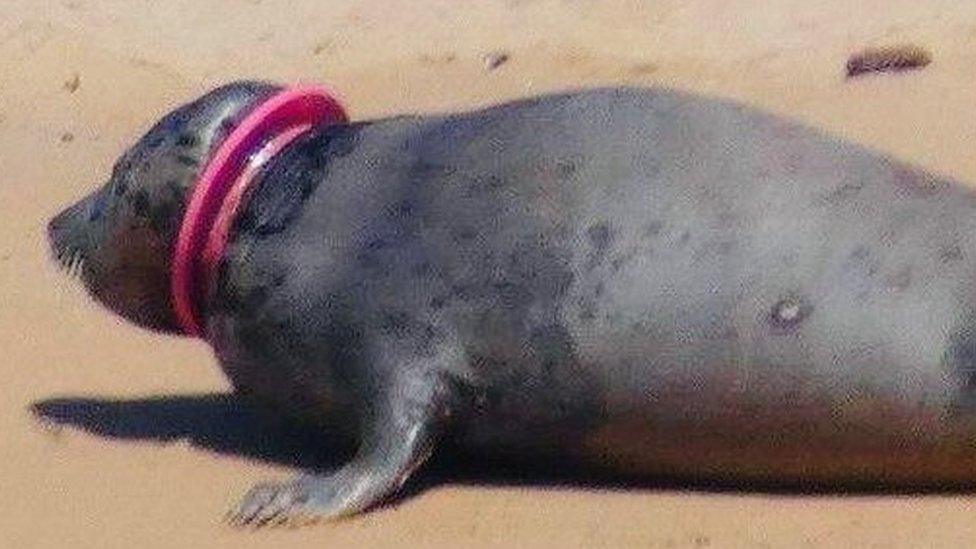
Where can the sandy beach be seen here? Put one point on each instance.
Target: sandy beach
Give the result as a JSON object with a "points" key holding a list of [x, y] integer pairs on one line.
{"points": [[141, 460]]}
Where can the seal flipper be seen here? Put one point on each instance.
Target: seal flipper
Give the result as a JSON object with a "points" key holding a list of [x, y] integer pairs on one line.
{"points": [[410, 404]]}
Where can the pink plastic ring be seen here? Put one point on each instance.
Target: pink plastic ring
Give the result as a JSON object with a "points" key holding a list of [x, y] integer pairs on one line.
{"points": [[219, 191]]}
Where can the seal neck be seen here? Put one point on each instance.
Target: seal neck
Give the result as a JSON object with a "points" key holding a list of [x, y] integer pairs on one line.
{"points": [[220, 190]]}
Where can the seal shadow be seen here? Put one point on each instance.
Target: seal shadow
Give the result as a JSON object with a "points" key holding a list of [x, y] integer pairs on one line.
{"points": [[232, 425], [223, 423]]}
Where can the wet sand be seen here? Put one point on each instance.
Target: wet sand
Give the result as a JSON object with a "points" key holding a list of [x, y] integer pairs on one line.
{"points": [[81, 79]]}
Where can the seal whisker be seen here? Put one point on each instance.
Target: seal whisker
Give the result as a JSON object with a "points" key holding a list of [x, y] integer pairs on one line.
{"points": [[73, 264], [71, 261], [62, 257], [79, 265]]}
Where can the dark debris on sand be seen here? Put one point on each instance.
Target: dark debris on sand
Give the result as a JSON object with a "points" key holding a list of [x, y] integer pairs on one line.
{"points": [[888, 59]]}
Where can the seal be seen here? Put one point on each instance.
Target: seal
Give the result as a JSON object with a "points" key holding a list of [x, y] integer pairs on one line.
{"points": [[642, 280]]}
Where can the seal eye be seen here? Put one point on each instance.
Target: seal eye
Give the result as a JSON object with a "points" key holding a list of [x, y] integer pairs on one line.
{"points": [[186, 140]]}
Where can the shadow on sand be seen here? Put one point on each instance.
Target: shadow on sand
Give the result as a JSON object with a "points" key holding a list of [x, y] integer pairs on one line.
{"points": [[234, 426]]}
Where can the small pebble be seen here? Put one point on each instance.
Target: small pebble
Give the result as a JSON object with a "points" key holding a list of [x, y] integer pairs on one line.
{"points": [[495, 59], [72, 84], [643, 68]]}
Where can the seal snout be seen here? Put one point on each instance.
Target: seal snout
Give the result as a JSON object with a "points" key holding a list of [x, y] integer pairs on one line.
{"points": [[68, 231], [60, 224]]}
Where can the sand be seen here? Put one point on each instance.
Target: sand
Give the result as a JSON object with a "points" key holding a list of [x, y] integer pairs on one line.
{"points": [[81, 79]]}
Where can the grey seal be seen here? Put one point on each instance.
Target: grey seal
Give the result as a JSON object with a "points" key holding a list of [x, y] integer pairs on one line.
{"points": [[641, 280]]}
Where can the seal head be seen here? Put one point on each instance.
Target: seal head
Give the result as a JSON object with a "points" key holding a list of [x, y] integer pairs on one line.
{"points": [[119, 240]]}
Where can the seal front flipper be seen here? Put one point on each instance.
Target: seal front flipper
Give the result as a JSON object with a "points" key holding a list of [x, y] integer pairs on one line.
{"points": [[405, 408]]}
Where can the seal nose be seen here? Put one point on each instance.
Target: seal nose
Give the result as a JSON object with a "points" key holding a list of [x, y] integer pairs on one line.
{"points": [[87, 209], [58, 235], [56, 226], [61, 224], [72, 222]]}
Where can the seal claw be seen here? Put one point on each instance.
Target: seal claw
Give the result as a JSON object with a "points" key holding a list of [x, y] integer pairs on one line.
{"points": [[267, 503], [294, 504]]}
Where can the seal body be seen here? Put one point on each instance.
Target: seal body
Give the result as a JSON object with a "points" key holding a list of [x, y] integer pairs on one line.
{"points": [[641, 280]]}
